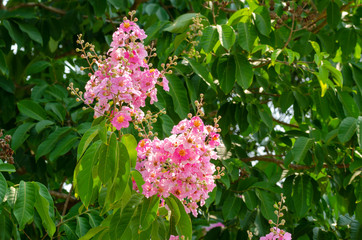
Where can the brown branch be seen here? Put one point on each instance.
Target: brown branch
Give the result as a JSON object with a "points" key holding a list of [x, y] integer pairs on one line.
{"points": [[284, 123], [271, 158], [228, 10], [266, 94], [64, 209], [62, 196], [291, 32]]}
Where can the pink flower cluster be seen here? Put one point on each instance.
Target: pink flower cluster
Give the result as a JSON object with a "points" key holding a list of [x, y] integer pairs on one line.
{"points": [[277, 234], [124, 79], [180, 164]]}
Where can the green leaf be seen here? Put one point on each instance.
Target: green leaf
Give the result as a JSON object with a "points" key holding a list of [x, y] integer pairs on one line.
{"points": [[99, 7], [32, 32], [92, 232], [226, 72], [40, 126], [262, 20], [14, 32], [37, 67], [179, 96], [3, 65], [275, 55], [209, 38], [347, 38], [266, 204], [244, 71], [181, 23], [301, 147], [87, 138], [120, 221], [24, 205], [58, 109], [6, 227], [32, 109], [359, 131], [357, 76], [70, 230], [302, 195], [48, 145], [350, 106], [149, 212], [226, 36], [266, 116], [107, 167], [239, 15], [356, 230], [202, 72], [45, 207], [333, 14], [130, 143], [82, 226], [337, 75], [62, 147], [346, 129], [20, 135], [6, 167], [84, 173], [231, 207], [183, 225], [137, 176], [247, 35], [3, 187]]}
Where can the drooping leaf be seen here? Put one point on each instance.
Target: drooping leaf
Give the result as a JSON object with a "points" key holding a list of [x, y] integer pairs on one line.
{"points": [[37, 67], [183, 225], [231, 207], [333, 14], [346, 129], [301, 147], [86, 140], [120, 221], [40, 126], [20, 135], [130, 143], [44, 206], [244, 71], [247, 35], [84, 175], [107, 167], [149, 212], [202, 71], [82, 226], [48, 145], [32, 109], [226, 36], [209, 38], [24, 205], [3, 187], [179, 96], [359, 131], [266, 200], [181, 23], [63, 146], [6, 227], [226, 73], [32, 32], [302, 195], [262, 20]]}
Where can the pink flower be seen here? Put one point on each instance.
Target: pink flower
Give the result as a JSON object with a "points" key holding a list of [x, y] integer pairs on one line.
{"points": [[277, 234], [214, 225], [121, 120], [180, 164]]}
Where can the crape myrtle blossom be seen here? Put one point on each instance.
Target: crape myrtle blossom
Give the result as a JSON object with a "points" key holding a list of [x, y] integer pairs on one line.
{"points": [[277, 234], [124, 79], [180, 164]]}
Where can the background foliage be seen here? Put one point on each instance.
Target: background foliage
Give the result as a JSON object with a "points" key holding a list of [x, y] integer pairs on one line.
{"points": [[286, 77]]}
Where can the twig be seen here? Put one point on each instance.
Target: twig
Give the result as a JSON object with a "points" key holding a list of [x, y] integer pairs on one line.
{"points": [[136, 4], [62, 196], [291, 32], [64, 210], [34, 4], [284, 123]]}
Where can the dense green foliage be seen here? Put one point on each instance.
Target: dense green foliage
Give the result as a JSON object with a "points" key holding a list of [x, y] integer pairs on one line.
{"points": [[285, 76]]}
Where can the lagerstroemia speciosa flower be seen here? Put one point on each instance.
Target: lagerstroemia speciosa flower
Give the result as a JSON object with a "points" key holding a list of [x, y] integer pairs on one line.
{"points": [[277, 234], [124, 79], [180, 164]]}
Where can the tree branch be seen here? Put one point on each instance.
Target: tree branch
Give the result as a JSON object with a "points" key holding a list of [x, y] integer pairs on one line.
{"points": [[137, 3], [62, 196], [284, 123], [34, 4]]}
